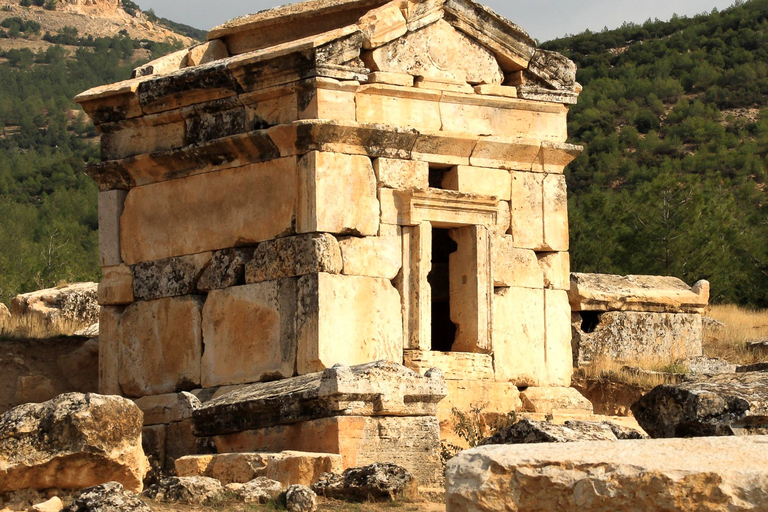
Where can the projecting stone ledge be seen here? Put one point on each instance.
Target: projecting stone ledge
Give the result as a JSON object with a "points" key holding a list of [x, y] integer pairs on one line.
{"points": [[602, 476], [651, 294], [374, 389]]}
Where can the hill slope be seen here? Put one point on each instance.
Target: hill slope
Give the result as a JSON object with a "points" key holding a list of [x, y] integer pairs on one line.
{"points": [[673, 116], [48, 213]]}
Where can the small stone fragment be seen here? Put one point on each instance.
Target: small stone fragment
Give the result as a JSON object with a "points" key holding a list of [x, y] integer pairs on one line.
{"points": [[226, 269], [299, 498], [259, 490], [52, 505], [109, 497], [188, 489]]}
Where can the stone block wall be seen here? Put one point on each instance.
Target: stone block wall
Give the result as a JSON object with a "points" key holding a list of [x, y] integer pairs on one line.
{"points": [[271, 212]]}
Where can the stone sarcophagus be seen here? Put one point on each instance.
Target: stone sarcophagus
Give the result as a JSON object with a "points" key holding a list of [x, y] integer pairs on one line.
{"points": [[338, 181]]}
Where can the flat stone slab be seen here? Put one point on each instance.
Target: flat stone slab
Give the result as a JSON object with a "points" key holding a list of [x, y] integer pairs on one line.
{"points": [[651, 294], [720, 405], [605, 476], [374, 389]]}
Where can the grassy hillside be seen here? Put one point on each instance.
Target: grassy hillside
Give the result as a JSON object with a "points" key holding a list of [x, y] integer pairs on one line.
{"points": [[48, 214], [674, 116]]}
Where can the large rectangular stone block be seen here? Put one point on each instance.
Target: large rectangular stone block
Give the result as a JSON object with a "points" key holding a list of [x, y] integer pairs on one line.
{"points": [[293, 257], [464, 366], [111, 204], [556, 267], [210, 211], [556, 237], [347, 319], [116, 286], [558, 353], [478, 180], [519, 336], [160, 346], [528, 210], [248, 333], [324, 98], [393, 173], [144, 135], [337, 194], [372, 256], [171, 277], [109, 350], [399, 107], [515, 267]]}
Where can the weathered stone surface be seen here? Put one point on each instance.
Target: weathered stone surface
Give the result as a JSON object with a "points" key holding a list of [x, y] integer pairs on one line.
{"points": [[72, 442], [531, 432], [556, 234], [116, 287], [556, 70], [630, 336], [528, 210], [519, 336], [225, 270], [111, 205], [347, 319], [76, 302], [382, 389], [223, 209], [466, 62], [396, 106], [160, 346], [189, 489], [702, 365], [52, 505], [478, 180], [558, 350], [171, 277], [168, 408], [393, 173], [377, 482], [162, 66], [382, 25], [5, 314], [599, 292], [454, 365], [249, 333], [515, 267], [496, 399], [258, 490], [109, 497], [371, 256], [293, 257], [605, 476], [496, 90], [554, 400], [109, 350], [337, 194], [287, 468], [556, 267], [206, 52], [300, 498], [81, 367], [720, 405]]}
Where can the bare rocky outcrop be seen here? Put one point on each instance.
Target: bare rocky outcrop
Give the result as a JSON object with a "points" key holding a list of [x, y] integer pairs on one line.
{"points": [[375, 482], [72, 442], [76, 302], [109, 497], [720, 405], [531, 432], [669, 474]]}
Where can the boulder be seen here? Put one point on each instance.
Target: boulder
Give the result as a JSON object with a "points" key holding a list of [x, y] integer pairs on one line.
{"points": [[109, 497], [72, 442], [720, 405], [259, 490], [188, 489], [76, 302], [299, 498], [378, 482], [604, 476], [530, 432]]}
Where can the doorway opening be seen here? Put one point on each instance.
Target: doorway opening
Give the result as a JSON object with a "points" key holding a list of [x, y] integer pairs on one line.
{"points": [[443, 329]]}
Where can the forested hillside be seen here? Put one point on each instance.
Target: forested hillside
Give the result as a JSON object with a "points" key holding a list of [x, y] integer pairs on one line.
{"points": [[48, 213], [674, 118]]}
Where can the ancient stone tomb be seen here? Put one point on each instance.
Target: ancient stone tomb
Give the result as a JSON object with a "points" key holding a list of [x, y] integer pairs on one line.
{"points": [[338, 182]]}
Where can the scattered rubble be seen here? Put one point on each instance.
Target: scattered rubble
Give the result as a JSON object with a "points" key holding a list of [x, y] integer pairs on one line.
{"points": [[109, 497], [378, 482], [195, 490]]}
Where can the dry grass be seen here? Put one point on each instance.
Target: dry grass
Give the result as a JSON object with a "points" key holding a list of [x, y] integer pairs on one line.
{"points": [[30, 327], [606, 367], [741, 326]]}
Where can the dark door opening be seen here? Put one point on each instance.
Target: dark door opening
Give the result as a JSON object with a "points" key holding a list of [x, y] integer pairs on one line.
{"points": [[443, 330]]}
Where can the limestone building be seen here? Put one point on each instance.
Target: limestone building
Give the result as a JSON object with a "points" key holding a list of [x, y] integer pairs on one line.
{"points": [[339, 181]]}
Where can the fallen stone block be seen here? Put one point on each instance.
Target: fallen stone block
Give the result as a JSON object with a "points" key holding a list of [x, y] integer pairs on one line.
{"points": [[75, 302], [554, 401], [259, 490], [286, 468], [531, 432], [381, 389], [377, 482], [109, 497], [605, 476], [300, 498], [72, 442], [649, 294], [188, 489], [721, 405]]}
